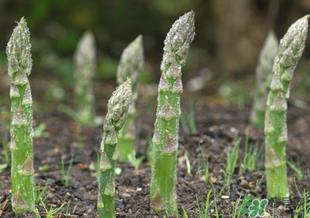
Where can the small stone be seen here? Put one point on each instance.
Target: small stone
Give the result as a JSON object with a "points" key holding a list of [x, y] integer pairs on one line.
{"points": [[139, 189]]}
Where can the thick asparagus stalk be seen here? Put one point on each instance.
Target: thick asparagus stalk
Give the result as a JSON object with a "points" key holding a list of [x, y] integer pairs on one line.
{"points": [[19, 68], [263, 79], [85, 64], [290, 51], [166, 133], [130, 66], [116, 116]]}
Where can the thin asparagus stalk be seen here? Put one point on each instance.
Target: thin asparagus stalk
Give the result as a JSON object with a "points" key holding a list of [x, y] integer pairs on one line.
{"points": [[290, 51], [131, 65], [166, 133], [263, 79], [19, 68], [116, 116], [85, 66]]}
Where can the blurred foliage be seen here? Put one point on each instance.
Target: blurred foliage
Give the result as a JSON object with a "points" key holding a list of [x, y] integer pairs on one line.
{"points": [[2, 59], [234, 93], [301, 82], [106, 68], [221, 26], [174, 7], [57, 25], [146, 76]]}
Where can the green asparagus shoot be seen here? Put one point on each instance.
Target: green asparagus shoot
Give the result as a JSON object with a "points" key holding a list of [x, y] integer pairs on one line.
{"points": [[19, 68], [263, 79], [130, 66], [290, 51], [116, 116], [166, 132], [85, 67]]}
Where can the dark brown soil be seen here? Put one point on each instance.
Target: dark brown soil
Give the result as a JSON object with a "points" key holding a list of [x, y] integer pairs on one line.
{"points": [[218, 126]]}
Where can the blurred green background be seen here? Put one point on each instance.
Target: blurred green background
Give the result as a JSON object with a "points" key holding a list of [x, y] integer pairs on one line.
{"points": [[229, 34]]}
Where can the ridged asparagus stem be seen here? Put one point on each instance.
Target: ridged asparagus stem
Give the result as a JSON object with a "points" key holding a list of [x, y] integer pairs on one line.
{"points": [[263, 79], [85, 64], [130, 66], [290, 51], [19, 68], [116, 116], [166, 132]]}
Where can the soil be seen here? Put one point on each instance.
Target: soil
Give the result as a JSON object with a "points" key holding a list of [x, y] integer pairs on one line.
{"points": [[218, 123]]}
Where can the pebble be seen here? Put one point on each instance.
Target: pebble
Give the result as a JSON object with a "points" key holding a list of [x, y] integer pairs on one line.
{"points": [[126, 195]]}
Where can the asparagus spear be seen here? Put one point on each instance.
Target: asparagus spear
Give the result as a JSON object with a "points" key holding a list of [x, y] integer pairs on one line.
{"points": [[166, 133], [263, 79], [116, 116], [130, 66], [19, 68], [290, 51]]}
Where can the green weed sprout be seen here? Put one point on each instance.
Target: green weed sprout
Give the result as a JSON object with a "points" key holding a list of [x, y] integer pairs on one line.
{"points": [[263, 79], [290, 51], [19, 68], [166, 132], [115, 119], [232, 156], [85, 66], [251, 155], [130, 66]]}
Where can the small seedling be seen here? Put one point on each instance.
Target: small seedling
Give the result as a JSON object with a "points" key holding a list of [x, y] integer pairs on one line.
{"points": [[116, 116], [85, 67], [134, 161], [306, 203], [3, 167], [19, 68], [232, 155], [166, 132], [206, 176], [185, 215], [41, 193], [296, 167], [40, 131], [251, 155], [44, 168], [290, 51], [187, 163], [52, 212], [202, 162], [237, 208], [207, 204], [188, 121], [130, 66], [303, 206], [65, 173], [263, 79]]}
